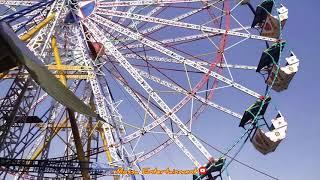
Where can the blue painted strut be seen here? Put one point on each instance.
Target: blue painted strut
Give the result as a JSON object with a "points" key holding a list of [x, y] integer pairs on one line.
{"points": [[25, 11]]}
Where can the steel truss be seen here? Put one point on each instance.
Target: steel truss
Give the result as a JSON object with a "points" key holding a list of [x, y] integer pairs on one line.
{"points": [[125, 32]]}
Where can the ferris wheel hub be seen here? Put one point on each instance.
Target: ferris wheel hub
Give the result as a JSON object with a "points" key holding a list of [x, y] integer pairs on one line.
{"points": [[79, 10]]}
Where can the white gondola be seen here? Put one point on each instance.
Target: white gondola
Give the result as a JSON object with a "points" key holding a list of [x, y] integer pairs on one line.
{"points": [[269, 141], [285, 74], [283, 15], [271, 27]]}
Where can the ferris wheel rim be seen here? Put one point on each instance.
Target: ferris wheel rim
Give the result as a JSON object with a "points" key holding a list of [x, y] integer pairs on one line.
{"points": [[204, 76]]}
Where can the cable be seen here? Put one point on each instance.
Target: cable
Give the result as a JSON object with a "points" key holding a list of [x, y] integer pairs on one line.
{"points": [[238, 161]]}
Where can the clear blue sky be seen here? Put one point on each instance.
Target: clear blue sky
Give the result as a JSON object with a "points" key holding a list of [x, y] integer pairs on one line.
{"points": [[297, 157]]}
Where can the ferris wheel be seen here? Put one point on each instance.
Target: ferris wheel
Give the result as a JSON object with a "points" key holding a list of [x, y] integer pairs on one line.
{"points": [[91, 86]]}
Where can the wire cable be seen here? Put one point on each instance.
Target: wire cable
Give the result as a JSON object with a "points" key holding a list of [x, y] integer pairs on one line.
{"points": [[238, 161]]}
